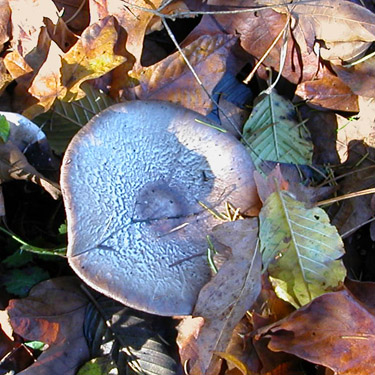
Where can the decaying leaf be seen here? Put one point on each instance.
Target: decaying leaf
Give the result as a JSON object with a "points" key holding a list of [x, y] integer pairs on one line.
{"points": [[46, 86], [344, 29], [328, 92], [132, 19], [300, 249], [272, 133], [359, 77], [171, 79], [335, 330], [91, 57], [358, 173], [233, 290], [53, 313]]}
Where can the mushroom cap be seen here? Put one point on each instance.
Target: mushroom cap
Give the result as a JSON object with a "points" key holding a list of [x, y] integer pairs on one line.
{"points": [[133, 180]]}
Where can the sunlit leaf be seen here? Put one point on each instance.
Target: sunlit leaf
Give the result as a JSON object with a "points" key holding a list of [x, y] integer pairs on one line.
{"points": [[300, 249], [4, 129], [91, 57]]}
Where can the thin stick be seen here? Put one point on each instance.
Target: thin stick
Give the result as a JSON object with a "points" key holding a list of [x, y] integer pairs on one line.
{"points": [[346, 196]]}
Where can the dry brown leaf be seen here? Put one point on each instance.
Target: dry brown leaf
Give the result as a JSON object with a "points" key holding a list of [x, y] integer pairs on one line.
{"points": [[53, 313], [76, 12], [46, 86], [134, 21], [60, 34], [16, 64], [325, 332], [360, 77], [171, 79], [257, 31], [14, 165], [359, 171], [361, 127], [322, 126], [343, 28], [27, 19], [4, 21], [91, 57], [233, 290], [328, 92]]}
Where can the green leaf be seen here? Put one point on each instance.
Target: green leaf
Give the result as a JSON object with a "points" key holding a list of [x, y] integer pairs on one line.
{"points": [[300, 248], [4, 129], [20, 281], [36, 345], [272, 133], [65, 119], [99, 366], [18, 259]]}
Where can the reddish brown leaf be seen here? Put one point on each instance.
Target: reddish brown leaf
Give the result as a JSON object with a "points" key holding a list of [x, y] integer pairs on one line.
{"points": [[257, 31], [53, 313], [328, 92], [273, 182], [60, 34], [171, 79], [75, 13], [325, 332]]}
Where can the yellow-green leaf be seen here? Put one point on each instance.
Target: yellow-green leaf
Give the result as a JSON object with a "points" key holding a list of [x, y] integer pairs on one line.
{"points": [[272, 133], [91, 57], [300, 248]]}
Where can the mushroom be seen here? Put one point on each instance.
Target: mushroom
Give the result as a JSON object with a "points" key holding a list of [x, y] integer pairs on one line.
{"points": [[140, 182]]}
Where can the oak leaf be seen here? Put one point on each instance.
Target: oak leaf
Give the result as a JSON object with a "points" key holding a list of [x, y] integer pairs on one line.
{"points": [[91, 57]]}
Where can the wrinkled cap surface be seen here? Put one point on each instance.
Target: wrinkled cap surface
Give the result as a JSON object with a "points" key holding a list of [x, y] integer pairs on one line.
{"points": [[132, 180]]}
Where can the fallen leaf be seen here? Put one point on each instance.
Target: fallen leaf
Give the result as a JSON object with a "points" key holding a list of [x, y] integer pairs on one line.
{"points": [[358, 174], [53, 313], [27, 18], [64, 119], [46, 85], [335, 330], [299, 249], [272, 133], [328, 92], [343, 28], [257, 31], [359, 77], [75, 13], [225, 299], [91, 57], [14, 165], [4, 21], [171, 79], [360, 127], [132, 19], [323, 127]]}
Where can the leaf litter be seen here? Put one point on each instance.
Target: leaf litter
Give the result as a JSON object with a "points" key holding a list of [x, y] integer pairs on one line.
{"points": [[318, 52]]}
